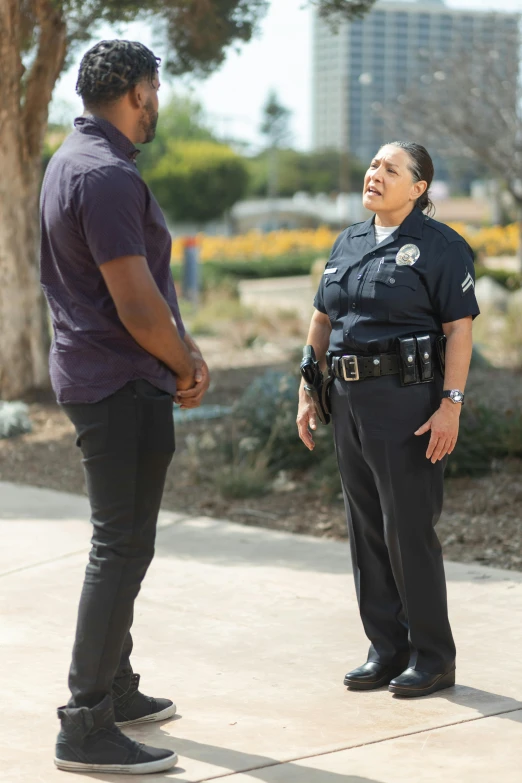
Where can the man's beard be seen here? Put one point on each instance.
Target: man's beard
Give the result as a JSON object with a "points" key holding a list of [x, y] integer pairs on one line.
{"points": [[148, 122]]}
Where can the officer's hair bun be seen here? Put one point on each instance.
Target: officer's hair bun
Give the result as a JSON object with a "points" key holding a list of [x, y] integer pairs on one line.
{"points": [[421, 168]]}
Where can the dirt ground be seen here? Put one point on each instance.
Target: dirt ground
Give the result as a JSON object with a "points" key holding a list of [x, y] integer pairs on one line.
{"points": [[482, 520]]}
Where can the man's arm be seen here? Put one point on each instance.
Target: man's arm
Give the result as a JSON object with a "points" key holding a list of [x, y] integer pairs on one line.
{"points": [[193, 397], [147, 317]]}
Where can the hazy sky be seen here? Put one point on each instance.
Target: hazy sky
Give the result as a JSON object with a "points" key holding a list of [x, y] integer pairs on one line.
{"points": [[279, 58]]}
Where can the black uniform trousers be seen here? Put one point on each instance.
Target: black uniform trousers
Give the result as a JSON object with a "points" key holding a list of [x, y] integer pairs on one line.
{"points": [[127, 442], [393, 498]]}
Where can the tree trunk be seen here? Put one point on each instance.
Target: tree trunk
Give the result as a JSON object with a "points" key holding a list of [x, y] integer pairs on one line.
{"points": [[23, 322], [24, 331]]}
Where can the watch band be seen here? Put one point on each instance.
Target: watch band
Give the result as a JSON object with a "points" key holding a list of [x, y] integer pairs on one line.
{"points": [[455, 395]]}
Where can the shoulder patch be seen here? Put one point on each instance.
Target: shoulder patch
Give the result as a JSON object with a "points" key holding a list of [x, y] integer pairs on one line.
{"points": [[467, 284]]}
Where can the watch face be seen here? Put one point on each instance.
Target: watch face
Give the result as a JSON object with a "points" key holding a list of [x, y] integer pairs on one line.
{"points": [[456, 396]]}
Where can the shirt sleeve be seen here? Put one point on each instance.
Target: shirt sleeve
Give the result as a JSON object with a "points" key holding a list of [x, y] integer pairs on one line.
{"points": [[112, 210], [319, 297], [451, 284], [318, 300]]}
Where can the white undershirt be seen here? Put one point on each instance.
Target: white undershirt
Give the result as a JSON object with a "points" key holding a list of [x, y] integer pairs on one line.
{"points": [[383, 232]]}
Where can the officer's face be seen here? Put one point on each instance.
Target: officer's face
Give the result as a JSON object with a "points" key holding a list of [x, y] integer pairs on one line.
{"points": [[388, 184]]}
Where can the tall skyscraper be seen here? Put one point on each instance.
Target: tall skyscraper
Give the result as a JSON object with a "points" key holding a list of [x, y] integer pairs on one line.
{"points": [[367, 64]]}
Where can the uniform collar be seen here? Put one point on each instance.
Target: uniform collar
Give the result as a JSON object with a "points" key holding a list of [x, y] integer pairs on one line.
{"points": [[411, 226], [98, 126]]}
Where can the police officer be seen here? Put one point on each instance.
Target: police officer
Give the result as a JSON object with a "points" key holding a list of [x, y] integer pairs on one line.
{"points": [[393, 287]]}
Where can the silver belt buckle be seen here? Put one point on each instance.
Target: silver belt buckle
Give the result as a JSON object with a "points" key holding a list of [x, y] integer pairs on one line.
{"points": [[354, 368]]}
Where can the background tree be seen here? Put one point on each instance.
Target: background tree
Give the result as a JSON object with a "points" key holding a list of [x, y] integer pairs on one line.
{"points": [[197, 180], [470, 106], [181, 118], [37, 36], [308, 172], [276, 130]]}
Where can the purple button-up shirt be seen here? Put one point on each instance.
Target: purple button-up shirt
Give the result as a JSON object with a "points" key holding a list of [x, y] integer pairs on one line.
{"points": [[95, 207]]}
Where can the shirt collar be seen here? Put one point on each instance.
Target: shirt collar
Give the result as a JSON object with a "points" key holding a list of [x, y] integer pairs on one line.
{"points": [[98, 126], [411, 226]]}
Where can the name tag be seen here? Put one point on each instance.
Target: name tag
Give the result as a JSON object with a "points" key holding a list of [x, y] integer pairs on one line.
{"points": [[330, 271]]}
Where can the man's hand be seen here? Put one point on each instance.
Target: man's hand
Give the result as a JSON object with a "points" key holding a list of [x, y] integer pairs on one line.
{"points": [[192, 397], [306, 420], [444, 426]]}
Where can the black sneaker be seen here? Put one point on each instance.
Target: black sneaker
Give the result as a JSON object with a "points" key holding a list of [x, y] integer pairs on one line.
{"points": [[131, 706], [89, 741]]}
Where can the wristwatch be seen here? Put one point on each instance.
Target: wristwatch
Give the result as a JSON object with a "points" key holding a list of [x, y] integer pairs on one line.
{"points": [[454, 395]]}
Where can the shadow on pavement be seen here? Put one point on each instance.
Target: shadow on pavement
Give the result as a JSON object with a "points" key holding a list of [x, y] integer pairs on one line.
{"points": [[233, 762], [487, 704], [222, 543]]}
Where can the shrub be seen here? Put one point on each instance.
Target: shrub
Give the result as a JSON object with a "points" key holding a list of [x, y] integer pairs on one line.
{"points": [[510, 280], [485, 435], [242, 481]]}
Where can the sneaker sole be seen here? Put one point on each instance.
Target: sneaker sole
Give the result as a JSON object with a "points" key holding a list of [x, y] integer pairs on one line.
{"points": [[119, 769], [154, 717]]}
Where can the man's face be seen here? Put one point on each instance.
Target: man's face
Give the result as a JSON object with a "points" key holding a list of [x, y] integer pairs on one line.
{"points": [[149, 113]]}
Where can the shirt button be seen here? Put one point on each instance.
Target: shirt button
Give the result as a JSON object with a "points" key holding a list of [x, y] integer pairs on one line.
{"points": [[353, 307], [359, 277], [391, 280]]}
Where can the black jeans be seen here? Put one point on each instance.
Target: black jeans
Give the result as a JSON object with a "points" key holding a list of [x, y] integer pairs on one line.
{"points": [[127, 442]]}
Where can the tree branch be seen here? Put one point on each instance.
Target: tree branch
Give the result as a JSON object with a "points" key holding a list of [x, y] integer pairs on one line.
{"points": [[47, 66]]}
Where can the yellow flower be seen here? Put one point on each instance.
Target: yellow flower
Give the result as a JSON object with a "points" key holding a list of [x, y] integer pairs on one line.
{"points": [[255, 245]]}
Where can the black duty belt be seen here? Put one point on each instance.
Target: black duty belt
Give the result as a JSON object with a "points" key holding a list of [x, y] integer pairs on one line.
{"points": [[358, 368]]}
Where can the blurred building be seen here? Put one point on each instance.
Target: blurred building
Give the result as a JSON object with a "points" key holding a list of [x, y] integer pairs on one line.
{"points": [[300, 211], [368, 63]]}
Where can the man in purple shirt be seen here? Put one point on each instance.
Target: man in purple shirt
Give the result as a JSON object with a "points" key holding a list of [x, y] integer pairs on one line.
{"points": [[119, 356]]}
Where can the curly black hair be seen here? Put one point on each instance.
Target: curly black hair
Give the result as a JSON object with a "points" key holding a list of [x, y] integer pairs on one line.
{"points": [[111, 68]]}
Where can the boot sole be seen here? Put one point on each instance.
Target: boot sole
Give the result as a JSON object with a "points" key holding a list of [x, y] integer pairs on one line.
{"points": [[153, 717], [444, 681], [355, 685], [161, 765], [371, 685]]}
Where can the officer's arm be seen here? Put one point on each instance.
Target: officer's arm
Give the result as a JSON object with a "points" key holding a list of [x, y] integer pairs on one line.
{"points": [[458, 356], [319, 336]]}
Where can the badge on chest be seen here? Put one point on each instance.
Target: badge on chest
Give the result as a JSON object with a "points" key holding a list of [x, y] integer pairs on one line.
{"points": [[407, 255]]}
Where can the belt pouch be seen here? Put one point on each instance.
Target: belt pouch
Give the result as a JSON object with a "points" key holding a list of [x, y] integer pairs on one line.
{"points": [[407, 360], [424, 355], [440, 345]]}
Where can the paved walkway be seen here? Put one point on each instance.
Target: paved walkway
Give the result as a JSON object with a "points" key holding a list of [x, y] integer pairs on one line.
{"points": [[251, 632]]}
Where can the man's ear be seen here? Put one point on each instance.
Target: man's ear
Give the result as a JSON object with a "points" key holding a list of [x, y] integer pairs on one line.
{"points": [[137, 96]]}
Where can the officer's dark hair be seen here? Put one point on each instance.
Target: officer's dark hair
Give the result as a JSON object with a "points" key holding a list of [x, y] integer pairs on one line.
{"points": [[111, 68], [421, 168]]}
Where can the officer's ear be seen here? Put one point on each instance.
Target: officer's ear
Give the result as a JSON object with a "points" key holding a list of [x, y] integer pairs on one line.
{"points": [[418, 189]]}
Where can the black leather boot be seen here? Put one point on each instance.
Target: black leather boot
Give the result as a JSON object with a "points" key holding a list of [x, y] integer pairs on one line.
{"points": [[372, 675], [413, 683]]}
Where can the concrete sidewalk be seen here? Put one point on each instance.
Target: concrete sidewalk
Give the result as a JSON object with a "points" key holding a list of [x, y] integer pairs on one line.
{"points": [[250, 631]]}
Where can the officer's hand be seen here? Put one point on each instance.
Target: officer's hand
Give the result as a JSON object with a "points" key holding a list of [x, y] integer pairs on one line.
{"points": [[306, 421], [192, 397], [444, 426]]}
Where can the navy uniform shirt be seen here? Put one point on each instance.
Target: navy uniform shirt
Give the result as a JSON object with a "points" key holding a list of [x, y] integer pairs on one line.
{"points": [[95, 207], [371, 300]]}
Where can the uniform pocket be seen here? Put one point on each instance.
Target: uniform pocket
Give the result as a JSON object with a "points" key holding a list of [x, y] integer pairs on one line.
{"points": [[334, 292], [395, 292]]}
